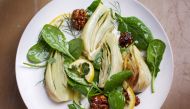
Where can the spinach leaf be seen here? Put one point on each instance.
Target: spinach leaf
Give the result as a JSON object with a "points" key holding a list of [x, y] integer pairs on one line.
{"points": [[74, 106], [93, 92], [139, 41], [122, 27], [155, 53], [88, 91], [85, 68], [51, 60], [67, 60], [98, 60], [95, 86], [40, 38], [76, 47], [56, 39], [140, 32], [96, 76], [38, 52], [116, 99], [117, 79], [93, 7], [73, 74], [78, 87]]}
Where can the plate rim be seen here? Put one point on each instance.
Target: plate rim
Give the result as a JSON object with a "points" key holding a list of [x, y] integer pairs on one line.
{"points": [[137, 2], [168, 41]]}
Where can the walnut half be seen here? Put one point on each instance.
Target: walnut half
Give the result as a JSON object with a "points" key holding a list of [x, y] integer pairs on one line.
{"points": [[99, 102], [79, 19]]}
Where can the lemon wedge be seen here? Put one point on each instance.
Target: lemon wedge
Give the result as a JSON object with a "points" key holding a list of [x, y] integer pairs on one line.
{"points": [[132, 98], [59, 20], [90, 72]]}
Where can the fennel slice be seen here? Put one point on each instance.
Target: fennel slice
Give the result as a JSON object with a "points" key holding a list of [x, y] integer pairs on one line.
{"points": [[107, 25], [116, 57], [56, 81], [93, 54], [104, 70], [134, 61], [90, 27], [100, 22], [144, 78]]}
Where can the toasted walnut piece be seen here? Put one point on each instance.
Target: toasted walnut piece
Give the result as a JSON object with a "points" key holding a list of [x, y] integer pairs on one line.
{"points": [[125, 39], [99, 102], [79, 19], [137, 100]]}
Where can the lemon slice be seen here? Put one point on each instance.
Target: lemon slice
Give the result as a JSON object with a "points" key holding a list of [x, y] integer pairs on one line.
{"points": [[132, 98], [90, 74], [59, 20]]}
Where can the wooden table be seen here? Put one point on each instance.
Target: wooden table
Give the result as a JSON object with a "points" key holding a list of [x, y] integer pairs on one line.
{"points": [[174, 15]]}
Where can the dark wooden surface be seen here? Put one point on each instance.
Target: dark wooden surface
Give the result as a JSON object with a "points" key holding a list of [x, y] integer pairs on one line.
{"points": [[173, 14], [14, 16]]}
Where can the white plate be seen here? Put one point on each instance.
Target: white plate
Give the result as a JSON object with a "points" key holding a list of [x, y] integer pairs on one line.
{"points": [[34, 95]]}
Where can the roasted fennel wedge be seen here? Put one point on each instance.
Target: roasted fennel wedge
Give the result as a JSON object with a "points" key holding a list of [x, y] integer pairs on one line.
{"points": [[105, 65], [134, 61], [93, 34], [111, 59], [56, 80]]}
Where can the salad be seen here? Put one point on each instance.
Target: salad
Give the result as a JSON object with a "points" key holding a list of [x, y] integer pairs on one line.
{"points": [[110, 60]]}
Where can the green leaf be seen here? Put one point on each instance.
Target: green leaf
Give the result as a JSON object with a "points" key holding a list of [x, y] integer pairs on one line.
{"points": [[38, 52], [71, 106], [56, 39], [93, 7], [67, 60], [140, 32], [73, 74], [74, 106], [83, 89], [124, 49], [117, 79], [116, 99], [96, 75], [122, 27], [76, 47], [155, 53], [85, 68], [40, 38], [88, 91], [34, 65], [94, 90], [51, 60], [95, 85], [98, 60]]}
